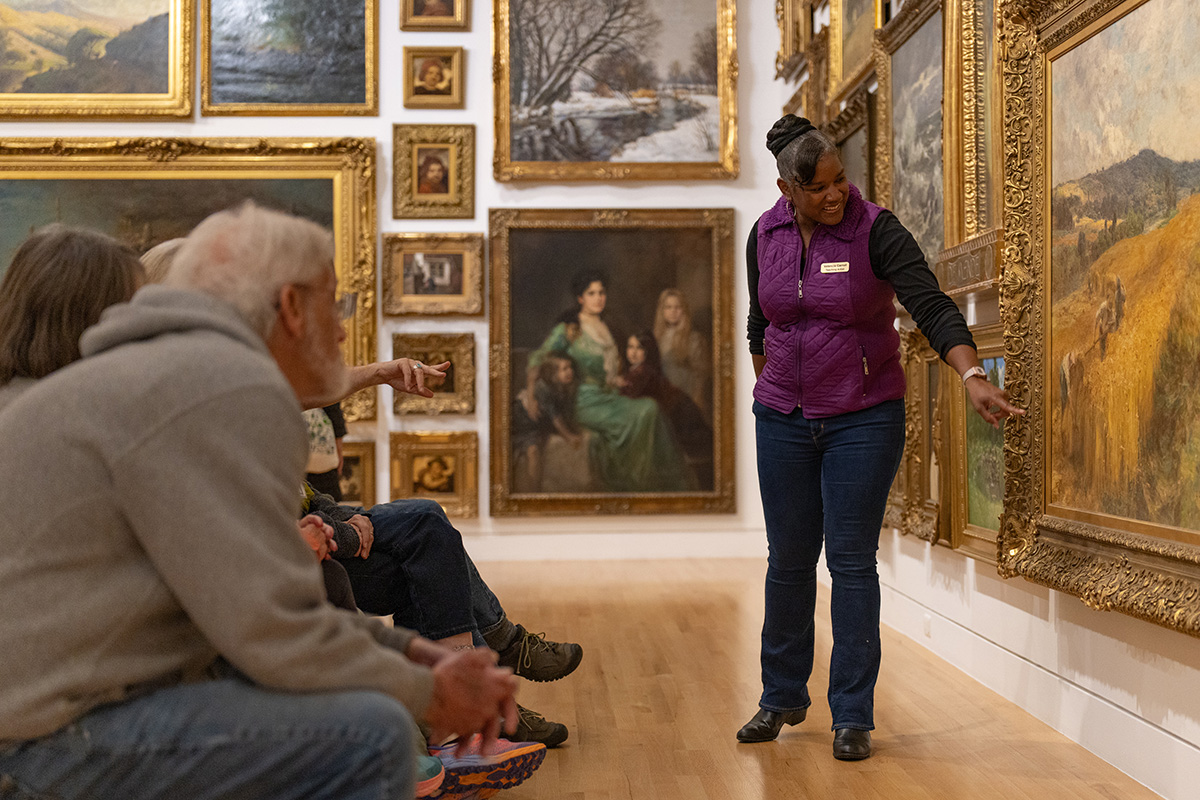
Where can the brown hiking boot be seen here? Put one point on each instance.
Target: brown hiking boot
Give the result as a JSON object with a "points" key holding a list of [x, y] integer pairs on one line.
{"points": [[533, 727], [534, 658]]}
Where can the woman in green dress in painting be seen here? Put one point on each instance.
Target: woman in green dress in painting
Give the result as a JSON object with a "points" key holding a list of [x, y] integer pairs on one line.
{"points": [[631, 448]]}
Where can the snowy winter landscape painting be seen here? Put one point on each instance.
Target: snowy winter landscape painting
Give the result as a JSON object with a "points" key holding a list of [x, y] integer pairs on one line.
{"points": [[623, 89]]}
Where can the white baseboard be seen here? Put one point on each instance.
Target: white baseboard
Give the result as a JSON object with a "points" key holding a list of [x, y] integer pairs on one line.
{"points": [[1150, 755]]}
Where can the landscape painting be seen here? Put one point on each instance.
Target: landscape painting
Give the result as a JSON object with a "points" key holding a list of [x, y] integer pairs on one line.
{"points": [[612, 389], [289, 57], [985, 459], [1124, 285], [858, 27], [916, 91], [854, 159], [624, 89], [95, 57]]}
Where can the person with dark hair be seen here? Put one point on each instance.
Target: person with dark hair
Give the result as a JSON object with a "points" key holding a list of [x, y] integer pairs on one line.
{"points": [[632, 449], [430, 74], [59, 281], [432, 177], [553, 399], [823, 267], [642, 376]]}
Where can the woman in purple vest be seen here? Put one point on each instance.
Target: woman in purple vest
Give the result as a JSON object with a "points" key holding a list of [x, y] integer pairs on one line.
{"points": [[823, 267]]}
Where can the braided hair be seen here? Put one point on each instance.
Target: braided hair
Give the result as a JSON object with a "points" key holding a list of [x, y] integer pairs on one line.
{"points": [[798, 145]]}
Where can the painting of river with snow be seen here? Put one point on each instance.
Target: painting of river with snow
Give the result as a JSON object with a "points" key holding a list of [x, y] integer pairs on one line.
{"points": [[628, 81]]}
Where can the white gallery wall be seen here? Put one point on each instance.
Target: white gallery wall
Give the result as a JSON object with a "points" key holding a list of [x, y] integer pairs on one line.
{"points": [[1128, 690]]}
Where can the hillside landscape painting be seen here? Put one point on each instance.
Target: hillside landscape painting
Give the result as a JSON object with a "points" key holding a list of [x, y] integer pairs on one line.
{"points": [[1124, 283], [85, 46]]}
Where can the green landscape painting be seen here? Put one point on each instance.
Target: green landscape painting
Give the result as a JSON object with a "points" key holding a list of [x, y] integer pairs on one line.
{"points": [[1124, 328], [985, 460], [85, 46]]}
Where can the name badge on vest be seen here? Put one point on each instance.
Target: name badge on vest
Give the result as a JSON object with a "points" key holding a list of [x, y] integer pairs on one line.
{"points": [[835, 266]]}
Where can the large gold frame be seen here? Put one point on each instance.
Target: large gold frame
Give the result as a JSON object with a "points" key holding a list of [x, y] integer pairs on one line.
{"points": [[727, 165], [854, 117], [842, 79], [348, 163], [369, 107], [505, 501], [1108, 568], [175, 102]]}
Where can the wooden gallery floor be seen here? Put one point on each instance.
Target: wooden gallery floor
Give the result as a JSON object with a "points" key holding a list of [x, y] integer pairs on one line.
{"points": [[670, 672]]}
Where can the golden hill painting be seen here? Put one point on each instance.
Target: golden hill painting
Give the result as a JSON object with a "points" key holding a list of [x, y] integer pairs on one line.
{"points": [[1124, 422], [85, 46]]}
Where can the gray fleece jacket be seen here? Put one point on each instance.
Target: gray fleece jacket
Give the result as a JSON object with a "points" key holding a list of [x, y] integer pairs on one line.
{"points": [[150, 496]]}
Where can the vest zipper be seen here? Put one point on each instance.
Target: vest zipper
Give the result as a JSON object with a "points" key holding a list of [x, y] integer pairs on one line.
{"points": [[866, 369]]}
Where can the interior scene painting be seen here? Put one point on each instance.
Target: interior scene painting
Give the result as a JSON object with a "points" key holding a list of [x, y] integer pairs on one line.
{"points": [[1124, 321], [624, 81], [985, 459], [917, 136], [85, 46], [433, 273], [142, 213], [288, 51], [611, 360]]}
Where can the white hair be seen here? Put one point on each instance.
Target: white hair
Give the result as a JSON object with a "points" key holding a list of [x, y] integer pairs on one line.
{"points": [[157, 260], [245, 255]]}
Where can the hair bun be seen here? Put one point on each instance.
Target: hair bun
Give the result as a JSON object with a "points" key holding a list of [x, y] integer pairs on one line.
{"points": [[785, 131]]}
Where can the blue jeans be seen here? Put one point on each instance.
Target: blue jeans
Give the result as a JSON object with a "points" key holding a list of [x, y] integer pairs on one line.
{"points": [[419, 573], [825, 481], [225, 738]]}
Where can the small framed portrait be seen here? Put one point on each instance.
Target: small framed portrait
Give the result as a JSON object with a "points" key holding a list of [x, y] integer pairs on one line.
{"points": [[435, 15], [433, 273], [358, 474], [456, 395], [433, 172], [437, 465], [433, 77]]}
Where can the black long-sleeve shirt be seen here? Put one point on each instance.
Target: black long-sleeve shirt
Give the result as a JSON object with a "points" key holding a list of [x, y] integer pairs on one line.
{"points": [[896, 258]]}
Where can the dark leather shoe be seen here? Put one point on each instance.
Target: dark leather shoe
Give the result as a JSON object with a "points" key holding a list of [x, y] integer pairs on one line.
{"points": [[765, 725], [851, 745]]}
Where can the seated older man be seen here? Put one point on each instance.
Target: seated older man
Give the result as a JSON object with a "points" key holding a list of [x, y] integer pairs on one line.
{"points": [[166, 632]]}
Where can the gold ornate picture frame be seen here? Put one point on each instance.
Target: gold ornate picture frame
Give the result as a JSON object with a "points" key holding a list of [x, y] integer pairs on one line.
{"points": [[435, 15], [437, 465], [1114, 412], [852, 25], [910, 68], [260, 60], [795, 27], [456, 395], [434, 77], [432, 274], [358, 474], [145, 191], [925, 463], [584, 419], [433, 171], [86, 62], [851, 130], [609, 102]]}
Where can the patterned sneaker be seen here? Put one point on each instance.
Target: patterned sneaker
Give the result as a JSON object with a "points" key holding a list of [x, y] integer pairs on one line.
{"points": [[533, 727], [536, 659], [430, 774], [469, 769]]}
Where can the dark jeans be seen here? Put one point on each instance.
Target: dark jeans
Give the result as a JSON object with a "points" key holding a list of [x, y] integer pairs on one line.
{"points": [[419, 573], [825, 481]]}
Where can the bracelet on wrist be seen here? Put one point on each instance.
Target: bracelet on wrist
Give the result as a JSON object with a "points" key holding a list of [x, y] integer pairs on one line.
{"points": [[972, 373]]}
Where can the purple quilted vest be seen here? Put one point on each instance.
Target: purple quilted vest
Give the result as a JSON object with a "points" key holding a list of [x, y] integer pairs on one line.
{"points": [[831, 341]]}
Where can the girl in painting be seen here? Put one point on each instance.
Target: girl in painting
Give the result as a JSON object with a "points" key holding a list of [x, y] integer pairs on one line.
{"points": [[551, 412], [435, 476], [632, 449], [431, 176], [430, 78], [682, 348], [643, 376]]}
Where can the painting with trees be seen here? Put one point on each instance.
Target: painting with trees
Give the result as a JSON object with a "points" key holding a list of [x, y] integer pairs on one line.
{"points": [[95, 57], [630, 82], [1124, 289]]}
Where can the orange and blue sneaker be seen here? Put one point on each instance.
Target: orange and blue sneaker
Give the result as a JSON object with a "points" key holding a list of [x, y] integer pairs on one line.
{"points": [[470, 772], [430, 774]]}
